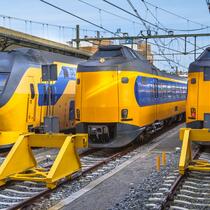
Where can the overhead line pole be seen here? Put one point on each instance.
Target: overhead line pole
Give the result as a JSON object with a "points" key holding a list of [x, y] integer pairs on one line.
{"points": [[164, 36]]}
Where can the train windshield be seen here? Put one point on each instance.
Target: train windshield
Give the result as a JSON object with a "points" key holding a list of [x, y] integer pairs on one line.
{"points": [[107, 54], [3, 80]]}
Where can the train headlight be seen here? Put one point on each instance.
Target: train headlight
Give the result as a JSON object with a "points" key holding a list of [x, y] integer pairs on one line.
{"points": [[124, 113], [77, 114], [193, 113]]}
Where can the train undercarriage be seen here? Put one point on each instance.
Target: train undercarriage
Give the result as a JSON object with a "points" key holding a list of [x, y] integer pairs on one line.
{"points": [[116, 135]]}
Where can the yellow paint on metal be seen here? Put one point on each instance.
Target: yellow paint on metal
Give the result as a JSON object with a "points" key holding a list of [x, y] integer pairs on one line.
{"points": [[96, 88], [27, 109], [186, 156], [9, 137], [62, 161], [20, 158], [158, 163], [20, 163], [163, 158], [198, 135], [187, 136]]}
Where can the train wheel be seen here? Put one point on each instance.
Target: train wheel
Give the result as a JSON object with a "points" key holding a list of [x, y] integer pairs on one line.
{"points": [[140, 139], [181, 117]]}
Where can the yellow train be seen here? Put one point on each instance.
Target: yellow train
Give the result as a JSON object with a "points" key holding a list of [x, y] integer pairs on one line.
{"points": [[198, 104], [119, 95], [24, 96], [197, 116]]}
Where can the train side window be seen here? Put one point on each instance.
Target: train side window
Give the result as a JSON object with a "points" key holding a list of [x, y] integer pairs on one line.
{"points": [[65, 73], [164, 90], [180, 91], [32, 91], [160, 89], [144, 80]]}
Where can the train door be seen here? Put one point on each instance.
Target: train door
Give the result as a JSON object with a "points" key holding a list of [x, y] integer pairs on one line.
{"points": [[126, 110], [31, 102]]}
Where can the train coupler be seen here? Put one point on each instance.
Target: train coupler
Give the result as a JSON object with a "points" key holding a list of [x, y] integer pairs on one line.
{"points": [[186, 162], [20, 163]]}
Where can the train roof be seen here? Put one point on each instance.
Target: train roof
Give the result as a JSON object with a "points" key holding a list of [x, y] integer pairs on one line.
{"points": [[121, 57], [32, 57], [201, 62]]}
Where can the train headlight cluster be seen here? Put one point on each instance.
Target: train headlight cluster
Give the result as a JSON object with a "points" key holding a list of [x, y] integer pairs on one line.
{"points": [[124, 113], [193, 113]]}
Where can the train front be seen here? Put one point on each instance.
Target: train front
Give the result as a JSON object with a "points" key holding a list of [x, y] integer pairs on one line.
{"points": [[198, 98], [105, 98]]}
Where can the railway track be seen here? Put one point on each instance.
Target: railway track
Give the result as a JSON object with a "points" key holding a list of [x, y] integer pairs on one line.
{"points": [[190, 191], [95, 162], [19, 194]]}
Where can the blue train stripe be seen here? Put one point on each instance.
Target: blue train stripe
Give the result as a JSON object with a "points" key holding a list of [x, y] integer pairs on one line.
{"points": [[65, 76], [151, 91]]}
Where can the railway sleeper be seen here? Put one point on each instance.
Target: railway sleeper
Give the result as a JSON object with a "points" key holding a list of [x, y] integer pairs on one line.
{"points": [[20, 163]]}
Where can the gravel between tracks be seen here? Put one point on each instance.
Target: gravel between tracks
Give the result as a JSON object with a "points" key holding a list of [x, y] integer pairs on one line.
{"points": [[138, 196]]}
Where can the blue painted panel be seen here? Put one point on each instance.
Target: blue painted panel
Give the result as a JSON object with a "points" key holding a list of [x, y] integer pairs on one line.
{"points": [[66, 74], [144, 91], [147, 93]]}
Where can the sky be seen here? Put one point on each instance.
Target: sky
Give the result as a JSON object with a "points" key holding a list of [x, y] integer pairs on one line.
{"points": [[35, 10]]}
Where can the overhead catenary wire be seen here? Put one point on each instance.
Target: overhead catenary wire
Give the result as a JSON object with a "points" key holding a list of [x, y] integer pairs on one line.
{"points": [[10, 18], [101, 27], [108, 12], [168, 59], [156, 19], [174, 14], [138, 15], [77, 16], [130, 13], [153, 24], [172, 29]]}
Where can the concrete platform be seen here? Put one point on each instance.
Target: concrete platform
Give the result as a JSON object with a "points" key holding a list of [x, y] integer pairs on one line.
{"points": [[112, 190]]}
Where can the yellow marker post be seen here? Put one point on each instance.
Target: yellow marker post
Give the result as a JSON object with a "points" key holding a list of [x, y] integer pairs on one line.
{"points": [[164, 158], [158, 163]]}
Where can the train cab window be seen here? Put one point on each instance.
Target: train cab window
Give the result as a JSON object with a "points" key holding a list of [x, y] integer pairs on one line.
{"points": [[68, 72], [107, 54], [65, 73], [3, 79], [32, 91], [130, 54]]}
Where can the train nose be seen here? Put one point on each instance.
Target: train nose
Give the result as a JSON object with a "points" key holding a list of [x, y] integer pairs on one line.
{"points": [[99, 100]]}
